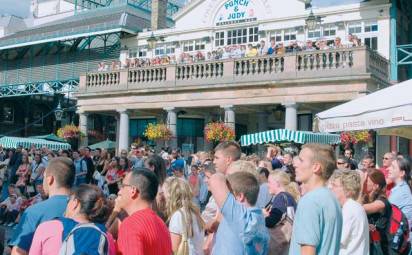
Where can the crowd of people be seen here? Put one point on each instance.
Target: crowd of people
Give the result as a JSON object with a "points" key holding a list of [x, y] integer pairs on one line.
{"points": [[234, 52], [219, 202]]}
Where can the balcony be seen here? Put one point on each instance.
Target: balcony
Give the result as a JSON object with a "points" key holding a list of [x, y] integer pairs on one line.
{"points": [[306, 66]]}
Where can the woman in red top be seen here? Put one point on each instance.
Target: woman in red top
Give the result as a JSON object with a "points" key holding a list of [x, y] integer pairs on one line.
{"points": [[112, 175], [123, 167], [23, 173]]}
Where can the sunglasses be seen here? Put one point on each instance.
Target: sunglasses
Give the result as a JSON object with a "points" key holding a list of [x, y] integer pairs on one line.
{"points": [[340, 163], [385, 158]]}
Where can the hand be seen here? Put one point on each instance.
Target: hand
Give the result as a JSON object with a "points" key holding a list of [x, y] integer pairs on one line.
{"points": [[212, 226], [372, 227], [266, 211]]}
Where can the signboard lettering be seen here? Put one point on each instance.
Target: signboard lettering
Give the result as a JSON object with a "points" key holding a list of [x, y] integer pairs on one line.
{"points": [[236, 11]]}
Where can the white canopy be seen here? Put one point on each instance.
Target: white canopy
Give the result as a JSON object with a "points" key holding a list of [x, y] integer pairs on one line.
{"points": [[389, 110]]}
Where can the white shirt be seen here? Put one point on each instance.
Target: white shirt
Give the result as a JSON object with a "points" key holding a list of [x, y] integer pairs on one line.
{"points": [[355, 230], [196, 241]]}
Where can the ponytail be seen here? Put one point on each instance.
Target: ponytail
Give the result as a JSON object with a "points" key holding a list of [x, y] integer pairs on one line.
{"points": [[284, 179]]}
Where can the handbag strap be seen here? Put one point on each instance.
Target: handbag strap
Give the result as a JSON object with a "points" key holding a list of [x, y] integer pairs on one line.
{"points": [[285, 215], [184, 229]]}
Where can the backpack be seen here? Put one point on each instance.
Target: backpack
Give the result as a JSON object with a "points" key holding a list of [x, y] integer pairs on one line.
{"points": [[85, 238], [398, 231]]}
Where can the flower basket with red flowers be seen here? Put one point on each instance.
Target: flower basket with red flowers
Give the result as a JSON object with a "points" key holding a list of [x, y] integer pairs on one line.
{"points": [[69, 132], [219, 132], [157, 132], [355, 137]]}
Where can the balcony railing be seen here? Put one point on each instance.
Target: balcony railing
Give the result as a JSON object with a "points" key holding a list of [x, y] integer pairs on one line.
{"points": [[332, 64]]}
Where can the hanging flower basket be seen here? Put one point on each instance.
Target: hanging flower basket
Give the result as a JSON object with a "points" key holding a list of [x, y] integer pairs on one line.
{"points": [[219, 132], [69, 132], [155, 132], [355, 137]]}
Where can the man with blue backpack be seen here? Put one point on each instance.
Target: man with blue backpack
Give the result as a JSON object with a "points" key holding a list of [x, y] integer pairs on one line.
{"points": [[57, 182]]}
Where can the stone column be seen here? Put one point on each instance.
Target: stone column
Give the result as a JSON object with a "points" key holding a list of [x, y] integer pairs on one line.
{"points": [[117, 134], [172, 125], [262, 125], [291, 116], [83, 128], [229, 116], [123, 130]]}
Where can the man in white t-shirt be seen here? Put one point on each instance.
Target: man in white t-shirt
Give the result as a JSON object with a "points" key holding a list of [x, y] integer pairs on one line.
{"points": [[346, 185]]}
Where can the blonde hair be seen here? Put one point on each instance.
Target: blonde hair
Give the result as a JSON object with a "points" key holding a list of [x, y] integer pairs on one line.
{"points": [[284, 180], [350, 181], [180, 198], [243, 166]]}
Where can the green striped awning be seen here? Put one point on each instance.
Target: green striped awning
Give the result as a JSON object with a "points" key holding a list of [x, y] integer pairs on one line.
{"points": [[14, 142], [286, 135]]}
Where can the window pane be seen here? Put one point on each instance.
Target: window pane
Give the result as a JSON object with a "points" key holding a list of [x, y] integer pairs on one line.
{"points": [[374, 43]]}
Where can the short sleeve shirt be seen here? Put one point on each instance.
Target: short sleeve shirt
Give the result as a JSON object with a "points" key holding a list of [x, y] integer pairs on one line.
{"points": [[176, 226], [33, 216], [144, 233], [318, 223], [242, 230]]}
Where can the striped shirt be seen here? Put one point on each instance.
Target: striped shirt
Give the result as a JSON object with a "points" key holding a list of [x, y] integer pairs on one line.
{"points": [[144, 233]]}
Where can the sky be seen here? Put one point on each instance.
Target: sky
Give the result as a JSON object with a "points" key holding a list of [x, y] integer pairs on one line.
{"points": [[21, 7]]}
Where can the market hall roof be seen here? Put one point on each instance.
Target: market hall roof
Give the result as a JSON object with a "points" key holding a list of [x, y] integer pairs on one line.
{"points": [[122, 18]]}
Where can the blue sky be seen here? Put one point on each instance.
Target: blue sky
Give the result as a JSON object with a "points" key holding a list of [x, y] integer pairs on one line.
{"points": [[21, 7]]}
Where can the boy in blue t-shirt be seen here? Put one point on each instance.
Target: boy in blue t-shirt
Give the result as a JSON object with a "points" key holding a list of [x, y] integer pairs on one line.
{"points": [[242, 229], [317, 226]]}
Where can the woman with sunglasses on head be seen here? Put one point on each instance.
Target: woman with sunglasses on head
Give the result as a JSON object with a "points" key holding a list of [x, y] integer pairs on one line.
{"points": [[86, 213]]}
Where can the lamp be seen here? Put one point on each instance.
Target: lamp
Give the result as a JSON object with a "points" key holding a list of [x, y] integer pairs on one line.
{"points": [[311, 21], [308, 4], [58, 112], [151, 41]]}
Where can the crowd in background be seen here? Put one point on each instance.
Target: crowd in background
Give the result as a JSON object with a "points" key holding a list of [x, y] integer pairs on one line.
{"points": [[235, 51], [218, 202]]}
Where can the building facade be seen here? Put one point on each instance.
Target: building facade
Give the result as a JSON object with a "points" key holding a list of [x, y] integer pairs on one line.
{"points": [[201, 70], [42, 56]]}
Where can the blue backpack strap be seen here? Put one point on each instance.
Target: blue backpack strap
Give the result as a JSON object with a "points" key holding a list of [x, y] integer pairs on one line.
{"points": [[68, 225]]}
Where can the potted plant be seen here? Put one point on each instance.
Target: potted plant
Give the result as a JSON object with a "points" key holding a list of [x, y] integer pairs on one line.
{"points": [[157, 132], [219, 132]]}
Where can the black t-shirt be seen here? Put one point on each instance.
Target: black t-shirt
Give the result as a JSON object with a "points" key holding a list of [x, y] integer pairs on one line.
{"points": [[279, 206], [381, 221]]}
